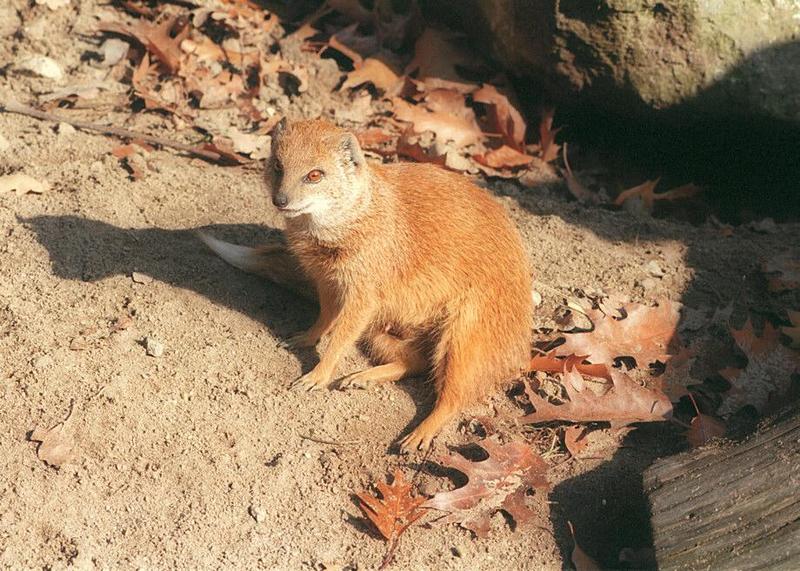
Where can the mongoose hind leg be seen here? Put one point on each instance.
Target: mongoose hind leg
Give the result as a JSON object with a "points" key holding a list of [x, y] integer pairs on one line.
{"points": [[388, 373], [457, 354]]}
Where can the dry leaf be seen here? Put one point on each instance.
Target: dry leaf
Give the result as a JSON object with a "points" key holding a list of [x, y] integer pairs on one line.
{"points": [[645, 334], [646, 193], [162, 40], [503, 116], [580, 558], [446, 127], [437, 55], [547, 137], [503, 481], [504, 157], [395, 511], [373, 71], [550, 363], [22, 183], [624, 402], [408, 146], [676, 377], [56, 444], [703, 429], [783, 272], [793, 332], [375, 139], [768, 375], [575, 187], [575, 439]]}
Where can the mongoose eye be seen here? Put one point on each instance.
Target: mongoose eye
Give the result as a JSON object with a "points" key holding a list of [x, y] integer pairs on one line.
{"points": [[314, 176], [278, 167]]}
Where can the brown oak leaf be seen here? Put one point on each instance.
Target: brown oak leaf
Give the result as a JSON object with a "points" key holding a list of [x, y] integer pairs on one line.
{"points": [[644, 334], [395, 511], [503, 117], [768, 374], [646, 193], [783, 272], [503, 481], [703, 429], [623, 401]]}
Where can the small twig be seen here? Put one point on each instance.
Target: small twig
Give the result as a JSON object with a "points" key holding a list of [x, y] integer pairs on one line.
{"points": [[17, 107], [330, 442]]}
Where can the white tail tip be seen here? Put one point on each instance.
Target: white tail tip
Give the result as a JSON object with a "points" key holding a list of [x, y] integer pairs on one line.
{"points": [[240, 257]]}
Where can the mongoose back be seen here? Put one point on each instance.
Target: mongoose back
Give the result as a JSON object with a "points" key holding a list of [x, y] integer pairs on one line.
{"points": [[418, 263]]}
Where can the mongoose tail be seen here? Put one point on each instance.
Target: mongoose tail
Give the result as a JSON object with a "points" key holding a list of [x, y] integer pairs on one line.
{"points": [[273, 262]]}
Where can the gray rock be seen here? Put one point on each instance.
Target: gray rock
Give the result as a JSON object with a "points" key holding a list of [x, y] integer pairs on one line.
{"points": [[721, 57], [258, 513], [153, 347]]}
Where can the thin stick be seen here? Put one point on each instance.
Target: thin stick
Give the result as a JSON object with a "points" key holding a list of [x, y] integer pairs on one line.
{"points": [[17, 107], [330, 442]]}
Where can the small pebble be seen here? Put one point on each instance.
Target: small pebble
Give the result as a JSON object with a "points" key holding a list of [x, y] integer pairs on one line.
{"points": [[42, 66], [258, 513], [654, 269], [153, 347], [140, 278], [65, 129], [536, 297]]}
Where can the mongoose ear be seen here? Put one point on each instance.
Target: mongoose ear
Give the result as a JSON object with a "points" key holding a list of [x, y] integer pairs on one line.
{"points": [[352, 150], [277, 132]]}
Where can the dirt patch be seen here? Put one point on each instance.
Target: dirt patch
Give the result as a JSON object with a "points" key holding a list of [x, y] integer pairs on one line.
{"points": [[179, 455]]}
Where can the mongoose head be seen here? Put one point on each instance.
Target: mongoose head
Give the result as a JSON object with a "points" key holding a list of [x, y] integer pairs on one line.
{"points": [[316, 169]]}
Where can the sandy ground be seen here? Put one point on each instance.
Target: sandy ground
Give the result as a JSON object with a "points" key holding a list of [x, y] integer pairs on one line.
{"points": [[176, 453]]}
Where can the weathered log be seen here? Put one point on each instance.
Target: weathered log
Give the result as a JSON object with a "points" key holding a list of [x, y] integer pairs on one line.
{"points": [[730, 507]]}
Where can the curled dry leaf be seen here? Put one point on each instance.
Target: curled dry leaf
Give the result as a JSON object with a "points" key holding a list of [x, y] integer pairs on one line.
{"points": [[162, 40], [503, 481], [446, 127], [645, 334], [768, 375], [783, 272], [547, 137], [374, 71], [575, 439], [503, 117], [55, 444], [395, 511], [504, 157], [646, 193], [574, 186], [624, 402], [703, 429]]}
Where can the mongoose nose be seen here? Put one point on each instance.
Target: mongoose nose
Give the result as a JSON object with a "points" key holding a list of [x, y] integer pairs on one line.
{"points": [[280, 200]]}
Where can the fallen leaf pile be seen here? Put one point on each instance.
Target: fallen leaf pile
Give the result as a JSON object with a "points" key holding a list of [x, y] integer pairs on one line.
{"points": [[503, 481]]}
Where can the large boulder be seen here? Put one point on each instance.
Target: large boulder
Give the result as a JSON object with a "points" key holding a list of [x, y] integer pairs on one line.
{"points": [[714, 56]]}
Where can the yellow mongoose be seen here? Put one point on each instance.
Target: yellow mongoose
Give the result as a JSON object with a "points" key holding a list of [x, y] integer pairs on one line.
{"points": [[416, 261]]}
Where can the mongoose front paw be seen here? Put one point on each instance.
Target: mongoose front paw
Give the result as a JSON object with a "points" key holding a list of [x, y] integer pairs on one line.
{"points": [[311, 381], [419, 439]]}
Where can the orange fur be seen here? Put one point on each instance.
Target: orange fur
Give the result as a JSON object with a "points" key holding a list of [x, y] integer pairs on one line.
{"points": [[416, 261]]}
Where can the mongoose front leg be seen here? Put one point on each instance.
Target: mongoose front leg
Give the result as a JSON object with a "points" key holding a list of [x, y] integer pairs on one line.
{"points": [[328, 310], [351, 322]]}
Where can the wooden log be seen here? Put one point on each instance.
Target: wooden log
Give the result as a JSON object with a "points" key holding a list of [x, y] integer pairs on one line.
{"points": [[730, 507]]}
